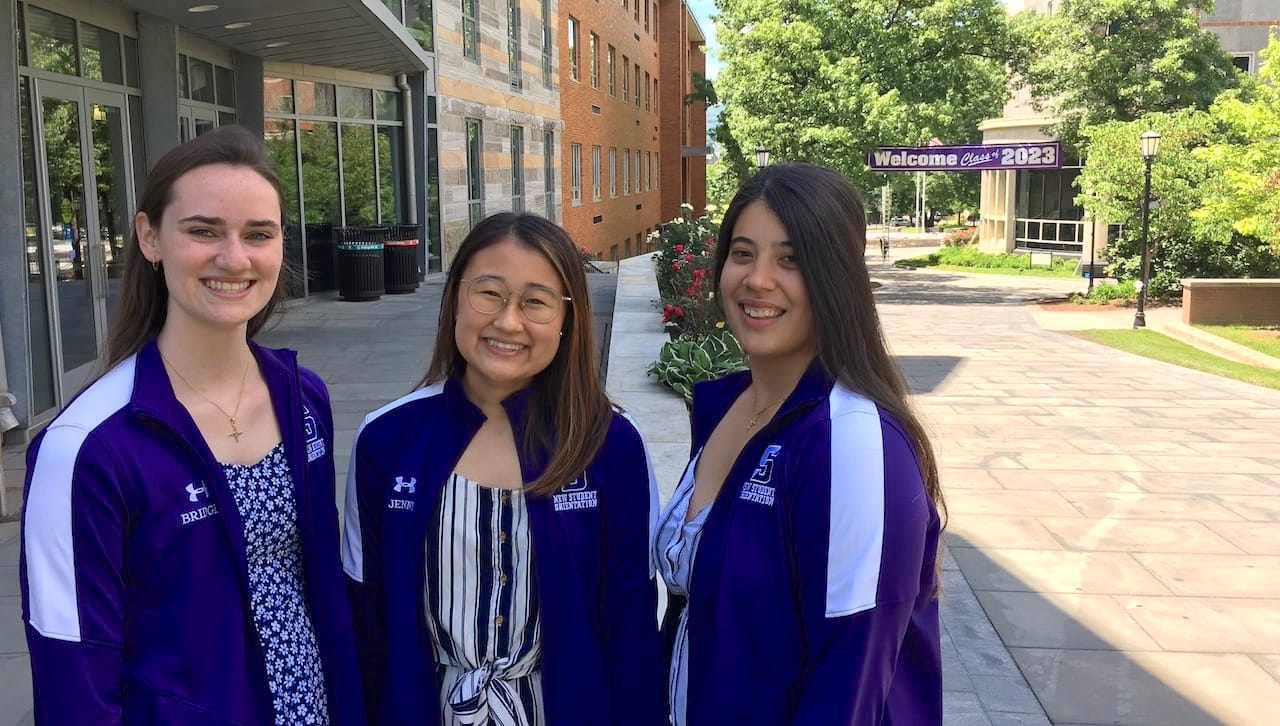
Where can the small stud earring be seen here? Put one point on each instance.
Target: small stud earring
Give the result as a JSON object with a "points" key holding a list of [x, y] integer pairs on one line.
{"points": [[155, 265]]}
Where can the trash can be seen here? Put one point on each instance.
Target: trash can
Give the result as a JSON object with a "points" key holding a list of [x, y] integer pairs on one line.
{"points": [[320, 253], [360, 262], [402, 258]]}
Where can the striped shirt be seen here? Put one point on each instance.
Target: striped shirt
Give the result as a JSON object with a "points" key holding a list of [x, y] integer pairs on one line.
{"points": [[482, 607], [675, 545]]}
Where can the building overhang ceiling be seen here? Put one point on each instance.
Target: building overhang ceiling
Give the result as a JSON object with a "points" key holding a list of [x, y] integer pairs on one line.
{"points": [[357, 35]]}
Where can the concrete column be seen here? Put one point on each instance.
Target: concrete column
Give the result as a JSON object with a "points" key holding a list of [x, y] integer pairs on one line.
{"points": [[158, 57], [13, 248], [249, 105]]}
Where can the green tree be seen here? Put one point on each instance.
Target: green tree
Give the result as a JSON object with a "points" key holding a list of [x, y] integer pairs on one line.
{"points": [[1180, 179], [828, 80], [1244, 198], [1095, 61]]}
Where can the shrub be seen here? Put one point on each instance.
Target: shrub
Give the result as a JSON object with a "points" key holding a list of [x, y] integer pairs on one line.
{"points": [[1105, 292], [682, 266], [683, 362], [960, 237]]}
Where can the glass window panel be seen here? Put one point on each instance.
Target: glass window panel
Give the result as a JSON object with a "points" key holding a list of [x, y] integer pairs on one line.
{"points": [[110, 162], [475, 170], [184, 82], [132, 73], [37, 293], [391, 191], [431, 109], [359, 190], [53, 41], [434, 229], [355, 102], [277, 95], [138, 148], [225, 80], [319, 146], [418, 21], [204, 126], [202, 81], [22, 37], [388, 105], [282, 150], [315, 99], [395, 8], [100, 54], [226, 118]]}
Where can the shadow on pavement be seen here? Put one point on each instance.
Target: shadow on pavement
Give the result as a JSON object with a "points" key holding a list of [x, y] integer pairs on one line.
{"points": [[924, 373], [1078, 674]]}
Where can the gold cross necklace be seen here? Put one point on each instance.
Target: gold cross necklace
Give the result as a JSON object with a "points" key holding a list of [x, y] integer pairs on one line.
{"points": [[236, 433], [754, 400]]}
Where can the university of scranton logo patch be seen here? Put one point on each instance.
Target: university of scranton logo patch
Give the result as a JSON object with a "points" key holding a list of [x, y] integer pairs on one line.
{"points": [[195, 492], [576, 496], [757, 489], [315, 444], [404, 485]]}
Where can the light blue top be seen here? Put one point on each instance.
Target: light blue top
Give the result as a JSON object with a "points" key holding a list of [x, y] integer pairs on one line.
{"points": [[676, 542]]}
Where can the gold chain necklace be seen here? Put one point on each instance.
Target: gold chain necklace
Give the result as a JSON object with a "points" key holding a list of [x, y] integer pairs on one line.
{"points": [[236, 433], [754, 400]]}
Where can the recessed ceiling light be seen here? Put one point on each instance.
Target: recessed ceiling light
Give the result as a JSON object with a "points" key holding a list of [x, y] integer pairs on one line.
{"points": [[237, 26], [202, 9], [277, 44]]}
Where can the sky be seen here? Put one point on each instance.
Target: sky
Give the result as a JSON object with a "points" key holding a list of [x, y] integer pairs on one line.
{"points": [[703, 10]]}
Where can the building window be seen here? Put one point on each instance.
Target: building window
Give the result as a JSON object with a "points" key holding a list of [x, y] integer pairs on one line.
{"points": [[595, 173], [471, 29], [636, 9], [655, 20], [648, 171], [613, 173], [573, 48], [475, 172], [637, 86], [636, 166], [594, 51], [575, 174], [611, 57], [549, 172], [419, 20], [513, 44], [655, 95], [657, 169], [546, 43], [517, 169], [626, 172], [626, 80], [646, 90], [1243, 61], [646, 17]]}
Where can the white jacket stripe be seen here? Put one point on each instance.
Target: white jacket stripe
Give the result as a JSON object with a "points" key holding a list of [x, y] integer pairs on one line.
{"points": [[856, 537], [47, 526]]}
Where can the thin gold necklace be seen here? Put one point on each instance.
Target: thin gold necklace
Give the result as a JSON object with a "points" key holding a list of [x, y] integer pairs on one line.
{"points": [[235, 432], [754, 400]]}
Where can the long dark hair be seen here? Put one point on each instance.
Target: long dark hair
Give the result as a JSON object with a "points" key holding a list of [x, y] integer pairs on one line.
{"points": [[827, 226], [567, 394], [144, 296]]}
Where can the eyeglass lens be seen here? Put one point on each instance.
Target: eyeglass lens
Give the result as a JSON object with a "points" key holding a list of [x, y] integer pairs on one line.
{"points": [[538, 304]]}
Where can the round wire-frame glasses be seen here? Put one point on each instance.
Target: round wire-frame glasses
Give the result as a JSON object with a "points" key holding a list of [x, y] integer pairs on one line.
{"points": [[537, 304]]}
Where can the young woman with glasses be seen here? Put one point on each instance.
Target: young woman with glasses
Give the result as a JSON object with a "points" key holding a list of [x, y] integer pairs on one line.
{"points": [[497, 519], [800, 546], [180, 559]]}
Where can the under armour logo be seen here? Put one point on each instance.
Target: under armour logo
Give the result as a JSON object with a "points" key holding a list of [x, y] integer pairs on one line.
{"points": [[194, 492], [403, 486]]}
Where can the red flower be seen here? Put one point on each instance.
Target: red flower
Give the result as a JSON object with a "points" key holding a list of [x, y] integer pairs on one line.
{"points": [[675, 266], [688, 258], [678, 249], [679, 310]]}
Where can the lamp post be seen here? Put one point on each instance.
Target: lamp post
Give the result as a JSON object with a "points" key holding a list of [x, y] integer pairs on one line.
{"points": [[762, 157], [1150, 145]]}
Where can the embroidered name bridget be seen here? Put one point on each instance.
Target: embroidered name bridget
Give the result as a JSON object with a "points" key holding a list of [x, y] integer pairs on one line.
{"points": [[575, 500]]}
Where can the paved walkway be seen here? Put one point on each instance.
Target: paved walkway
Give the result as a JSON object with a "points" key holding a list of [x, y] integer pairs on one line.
{"points": [[1114, 517]]}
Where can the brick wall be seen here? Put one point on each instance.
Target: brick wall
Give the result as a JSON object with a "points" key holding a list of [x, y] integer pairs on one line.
{"points": [[1231, 302]]}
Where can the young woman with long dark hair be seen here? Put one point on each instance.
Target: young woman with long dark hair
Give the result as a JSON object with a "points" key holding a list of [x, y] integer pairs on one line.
{"points": [[800, 546], [180, 560], [498, 518]]}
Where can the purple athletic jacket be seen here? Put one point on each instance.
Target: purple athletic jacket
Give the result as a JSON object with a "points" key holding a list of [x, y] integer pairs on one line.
{"points": [[135, 587], [595, 582], [812, 598]]}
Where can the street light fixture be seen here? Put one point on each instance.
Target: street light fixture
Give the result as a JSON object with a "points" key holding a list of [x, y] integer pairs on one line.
{"points": [[1149, 142], [762, 157]]}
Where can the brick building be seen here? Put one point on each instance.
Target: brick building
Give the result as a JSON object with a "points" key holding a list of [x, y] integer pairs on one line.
{"points": [[625, 123]]}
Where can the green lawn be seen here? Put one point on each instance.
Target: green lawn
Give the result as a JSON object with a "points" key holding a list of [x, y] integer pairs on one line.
{"points": [[1163, 348], [1264, 339], [1024, 272]]}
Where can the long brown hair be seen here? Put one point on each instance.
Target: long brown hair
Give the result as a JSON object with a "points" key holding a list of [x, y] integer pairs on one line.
{"points": [[144, 296], [567, 393], [827, 226]]}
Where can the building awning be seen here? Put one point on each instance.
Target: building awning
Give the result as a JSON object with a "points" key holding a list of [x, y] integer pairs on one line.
{"points": [[357, 35]]}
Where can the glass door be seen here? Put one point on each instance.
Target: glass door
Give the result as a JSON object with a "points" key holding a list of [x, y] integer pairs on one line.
{"points": [[84, 159]]}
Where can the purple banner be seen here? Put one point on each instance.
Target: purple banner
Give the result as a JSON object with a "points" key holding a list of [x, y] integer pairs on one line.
{"points": [[1039, 155]]}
